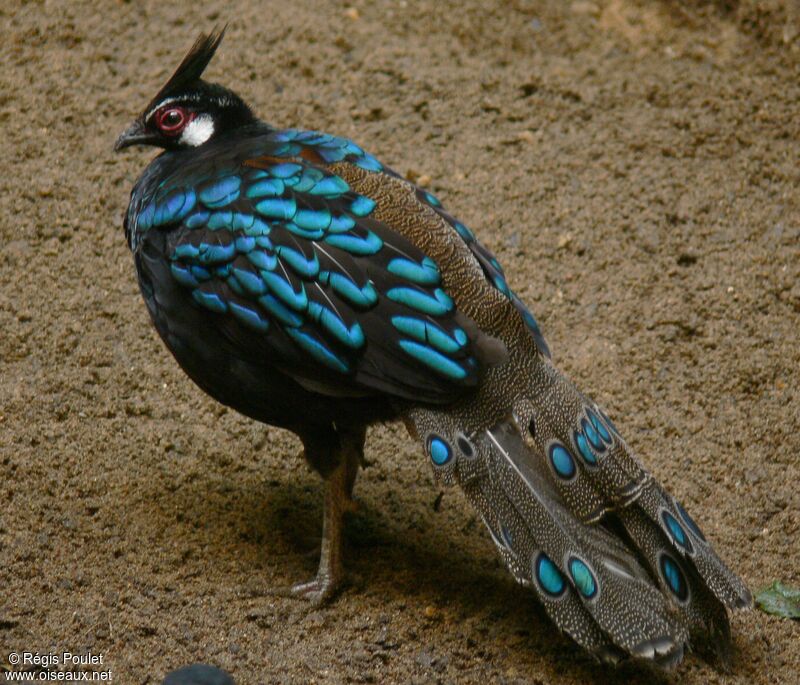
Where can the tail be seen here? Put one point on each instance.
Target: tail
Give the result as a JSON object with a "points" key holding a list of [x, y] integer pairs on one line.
{"points": [[616, 561]]}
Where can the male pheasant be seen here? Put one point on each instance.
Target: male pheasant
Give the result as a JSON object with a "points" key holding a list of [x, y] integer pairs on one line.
{"points": [[298, 280]]}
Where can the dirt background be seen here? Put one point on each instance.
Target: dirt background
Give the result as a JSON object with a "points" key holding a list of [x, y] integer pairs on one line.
{"points": [[635, 167]]}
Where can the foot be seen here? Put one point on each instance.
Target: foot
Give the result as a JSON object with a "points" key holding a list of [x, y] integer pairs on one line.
{"points": [[318, 591]]}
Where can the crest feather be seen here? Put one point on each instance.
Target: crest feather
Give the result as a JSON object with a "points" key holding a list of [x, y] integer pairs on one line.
{"points": [[194, 64]]}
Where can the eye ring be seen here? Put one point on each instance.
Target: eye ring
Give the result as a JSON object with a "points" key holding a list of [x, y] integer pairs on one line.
{"points": [[171, 120]]}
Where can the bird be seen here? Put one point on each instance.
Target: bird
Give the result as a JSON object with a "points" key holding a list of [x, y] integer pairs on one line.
{"points": [[299, 280]]}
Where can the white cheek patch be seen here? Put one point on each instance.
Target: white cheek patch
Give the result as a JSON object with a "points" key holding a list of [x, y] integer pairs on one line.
{"points": [[198, 131]]}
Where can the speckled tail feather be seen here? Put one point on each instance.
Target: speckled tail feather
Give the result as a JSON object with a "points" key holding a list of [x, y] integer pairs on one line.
{"points": [[617, 563]]}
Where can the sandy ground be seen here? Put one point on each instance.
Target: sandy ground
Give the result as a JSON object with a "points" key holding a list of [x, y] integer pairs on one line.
{"points": [[635, 167]]}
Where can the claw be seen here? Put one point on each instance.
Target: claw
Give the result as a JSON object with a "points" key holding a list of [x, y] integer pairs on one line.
{"points": [[318, 591]]}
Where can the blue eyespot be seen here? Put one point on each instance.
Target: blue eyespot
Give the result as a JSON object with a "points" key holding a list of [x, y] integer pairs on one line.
{"points": [[583, 577], [689, 521], [676, 531], [549, 577], [608, 421], [283, 290], [673, 577], [583, 447], [439, 450], [562, 461], [599, 427], [308, 179], [592, 436]]}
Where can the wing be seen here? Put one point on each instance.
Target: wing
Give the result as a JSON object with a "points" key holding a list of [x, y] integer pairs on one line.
{"points": [[491, 267], [298, 272]]}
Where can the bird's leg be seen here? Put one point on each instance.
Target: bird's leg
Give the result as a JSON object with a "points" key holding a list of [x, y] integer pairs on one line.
{"points": [[338, 500], [353, 458], [330, 571]]}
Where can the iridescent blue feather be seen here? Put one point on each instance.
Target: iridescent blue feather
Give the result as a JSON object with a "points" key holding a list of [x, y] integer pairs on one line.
{"points": [[272, 224]]}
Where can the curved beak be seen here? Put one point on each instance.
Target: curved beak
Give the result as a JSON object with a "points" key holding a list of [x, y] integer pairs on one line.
{"points": [[135, 134]]}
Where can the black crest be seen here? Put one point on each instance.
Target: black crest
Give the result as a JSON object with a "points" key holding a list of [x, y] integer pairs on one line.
{"points": [[194, 64]]}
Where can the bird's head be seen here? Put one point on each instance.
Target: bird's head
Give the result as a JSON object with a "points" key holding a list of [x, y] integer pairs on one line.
{"points": [[188, 112]]}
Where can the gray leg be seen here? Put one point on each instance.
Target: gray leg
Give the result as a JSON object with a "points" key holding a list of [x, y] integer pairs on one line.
{"points": [[338, 500]]}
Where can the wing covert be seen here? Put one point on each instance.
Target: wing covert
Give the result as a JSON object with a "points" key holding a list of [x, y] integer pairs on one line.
{"points": [[290, 260], [491, 267]]}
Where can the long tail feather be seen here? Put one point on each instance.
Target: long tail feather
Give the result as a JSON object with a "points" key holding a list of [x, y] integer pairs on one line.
{"points": [[616, 561]]}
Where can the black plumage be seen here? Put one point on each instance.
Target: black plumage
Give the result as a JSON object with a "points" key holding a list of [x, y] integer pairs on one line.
{"points": [[298, 280]]}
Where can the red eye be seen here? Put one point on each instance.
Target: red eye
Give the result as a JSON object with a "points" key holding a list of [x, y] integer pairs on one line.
{"points": [[171, 120]]}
